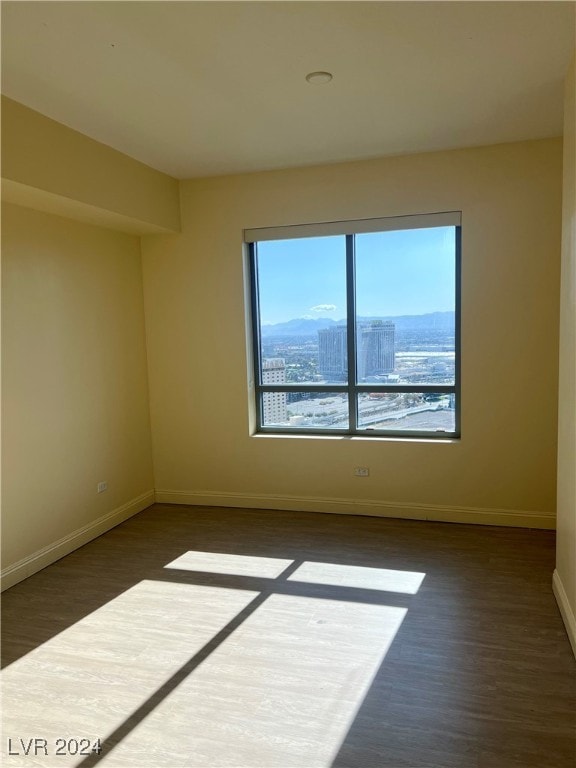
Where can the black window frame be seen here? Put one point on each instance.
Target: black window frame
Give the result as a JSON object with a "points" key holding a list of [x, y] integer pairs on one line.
{"points": [[352, 388]]}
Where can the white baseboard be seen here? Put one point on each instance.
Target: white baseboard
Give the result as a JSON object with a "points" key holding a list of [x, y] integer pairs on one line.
{"points": [[354, 507], [565, 609], [49, 554]]}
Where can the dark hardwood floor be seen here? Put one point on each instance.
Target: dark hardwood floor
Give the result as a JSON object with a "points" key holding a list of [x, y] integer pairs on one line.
{"points": [[207, 637]]}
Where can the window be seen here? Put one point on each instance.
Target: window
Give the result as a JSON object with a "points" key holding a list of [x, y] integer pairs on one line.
{"points": [[356, 327]]}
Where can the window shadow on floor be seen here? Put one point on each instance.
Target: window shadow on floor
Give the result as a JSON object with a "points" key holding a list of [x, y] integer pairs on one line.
{"points": [[479, 673]]}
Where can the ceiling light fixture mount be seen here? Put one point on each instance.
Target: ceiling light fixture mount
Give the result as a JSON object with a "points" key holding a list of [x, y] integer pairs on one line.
{"points": [[319, 78]]}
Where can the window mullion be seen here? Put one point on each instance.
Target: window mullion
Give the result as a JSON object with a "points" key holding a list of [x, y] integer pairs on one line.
{"points": [[351, 333], [256, 348], [457, 326]]}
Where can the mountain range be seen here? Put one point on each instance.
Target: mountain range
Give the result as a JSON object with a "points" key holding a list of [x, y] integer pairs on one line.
{"points": [[310, 326]]}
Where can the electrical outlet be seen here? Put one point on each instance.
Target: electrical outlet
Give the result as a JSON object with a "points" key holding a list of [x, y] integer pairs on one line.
{"points": [[362, 472], [101, 487]]}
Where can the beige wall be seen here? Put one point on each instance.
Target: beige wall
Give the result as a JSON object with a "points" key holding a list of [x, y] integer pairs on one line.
{"points": [[510, 196], [75, 396], [565, 577]]}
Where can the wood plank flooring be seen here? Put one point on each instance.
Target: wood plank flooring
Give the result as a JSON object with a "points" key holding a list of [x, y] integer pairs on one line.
{"points": [[202, 637]]}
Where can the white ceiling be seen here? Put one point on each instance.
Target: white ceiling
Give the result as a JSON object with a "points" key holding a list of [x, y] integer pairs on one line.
{"points": [[203, 88]]}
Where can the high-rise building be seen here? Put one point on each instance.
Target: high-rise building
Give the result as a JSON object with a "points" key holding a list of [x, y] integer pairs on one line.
{"points": [[274, 403], [375, 350], [332, 353]]}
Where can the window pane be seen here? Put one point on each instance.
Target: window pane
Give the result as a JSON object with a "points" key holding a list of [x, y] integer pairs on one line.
{"points": [[303, 410], [302, 299], [413, 411], [405, 306]]}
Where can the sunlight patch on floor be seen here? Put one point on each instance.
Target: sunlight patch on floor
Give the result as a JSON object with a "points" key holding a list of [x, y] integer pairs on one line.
{"points": [[85, 681], [280, 686], [282, 690], [236, 565], [384, 579]]}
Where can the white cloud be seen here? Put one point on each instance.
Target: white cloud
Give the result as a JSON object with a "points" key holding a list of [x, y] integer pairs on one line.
{"points": [[323, 308]]}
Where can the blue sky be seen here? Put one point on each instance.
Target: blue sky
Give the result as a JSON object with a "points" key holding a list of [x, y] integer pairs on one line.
{"points": [[404, 272]]}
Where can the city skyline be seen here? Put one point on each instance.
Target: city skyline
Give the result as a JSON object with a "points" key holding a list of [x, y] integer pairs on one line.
{"points": [[302, 326], [374, 351]]}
